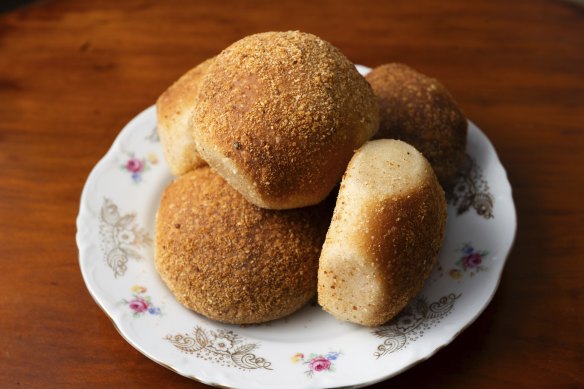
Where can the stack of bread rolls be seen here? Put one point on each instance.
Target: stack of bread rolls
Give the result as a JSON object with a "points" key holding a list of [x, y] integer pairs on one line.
{"points": [[259, 138]]}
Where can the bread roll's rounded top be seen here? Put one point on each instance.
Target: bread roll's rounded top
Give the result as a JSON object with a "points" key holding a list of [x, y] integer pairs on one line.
{"points": [[420, 111], [279, 116]]}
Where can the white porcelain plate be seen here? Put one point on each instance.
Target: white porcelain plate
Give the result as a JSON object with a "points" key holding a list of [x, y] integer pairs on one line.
{"points": [[309, 349]]}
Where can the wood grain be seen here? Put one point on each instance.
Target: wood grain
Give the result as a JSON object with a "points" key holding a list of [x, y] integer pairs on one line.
{"points": [[72, 73]]}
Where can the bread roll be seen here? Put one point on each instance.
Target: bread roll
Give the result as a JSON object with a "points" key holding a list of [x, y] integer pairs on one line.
{"points": [[385, 235], [173, 110], [280, 115], [420, 111], [230, 260]]}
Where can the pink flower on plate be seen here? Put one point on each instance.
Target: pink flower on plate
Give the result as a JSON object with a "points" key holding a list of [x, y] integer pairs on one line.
{"points": [[472, 260], [319, 364], [134, 165], [139, 305]]}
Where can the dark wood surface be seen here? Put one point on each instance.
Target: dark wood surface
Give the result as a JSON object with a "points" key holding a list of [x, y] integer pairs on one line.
{"points": [[72, 73]]}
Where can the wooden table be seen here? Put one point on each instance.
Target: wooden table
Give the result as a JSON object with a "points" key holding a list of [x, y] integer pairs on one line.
{"points": [[72, 73]]}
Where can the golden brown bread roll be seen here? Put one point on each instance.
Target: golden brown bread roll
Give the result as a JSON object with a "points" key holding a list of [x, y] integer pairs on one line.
{"points": [[173, 111], [280, 115], [420, 111], [230, 260], [385, 235]]}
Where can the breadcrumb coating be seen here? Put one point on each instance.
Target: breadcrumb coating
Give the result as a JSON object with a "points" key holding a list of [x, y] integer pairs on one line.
{"points": [[279, 116], [420, 111], [232, 261]]}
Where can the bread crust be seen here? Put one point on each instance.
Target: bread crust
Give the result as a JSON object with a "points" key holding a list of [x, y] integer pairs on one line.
{"points": [[173, 111], [420, 111], [385, 234], [280, 115], [230, 260]]}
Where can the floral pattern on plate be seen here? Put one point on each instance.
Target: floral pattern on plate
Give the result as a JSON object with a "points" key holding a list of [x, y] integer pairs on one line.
{"points": [[121, 237], [471, 261], [471, 190], [220, 346], [317, 363], [411, 323], [140, 303], [137, 166], [153, 135]]}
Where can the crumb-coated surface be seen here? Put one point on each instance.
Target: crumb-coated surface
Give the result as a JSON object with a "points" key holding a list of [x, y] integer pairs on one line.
{"points": [[232, 261], [419, 110], [385, 235], [173, 109], [280, 115]]}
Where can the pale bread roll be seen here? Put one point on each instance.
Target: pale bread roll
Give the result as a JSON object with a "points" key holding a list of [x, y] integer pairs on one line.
{"points": [[387, 229], [279, 116], [173, 111]]}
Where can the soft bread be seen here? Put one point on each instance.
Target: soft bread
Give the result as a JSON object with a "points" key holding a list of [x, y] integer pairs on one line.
{"points": [[230, 260], [387, 229], [279, 116], [420, 111], [173, 109]]}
